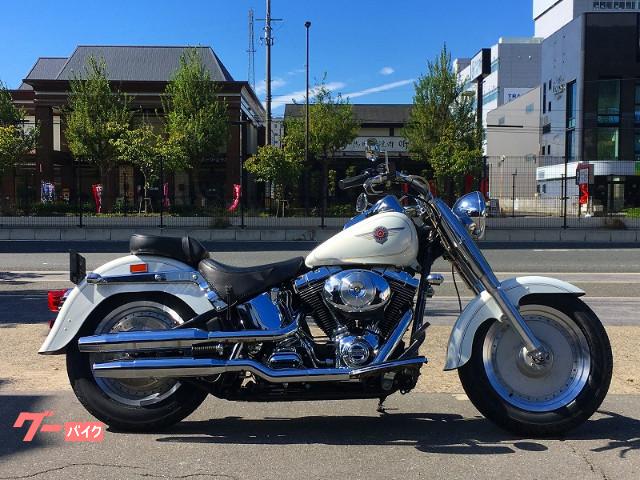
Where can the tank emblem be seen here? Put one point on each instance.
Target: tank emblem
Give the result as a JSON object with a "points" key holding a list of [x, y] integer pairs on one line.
{"points": [[380, 234]]}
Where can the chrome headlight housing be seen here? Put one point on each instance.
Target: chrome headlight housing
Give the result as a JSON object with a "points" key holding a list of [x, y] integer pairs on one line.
{"points": [[355, 291], [471, 210]]}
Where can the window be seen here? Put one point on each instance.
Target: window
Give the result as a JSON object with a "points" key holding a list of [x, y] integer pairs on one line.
{"points": [[637, 146], [572, 107], [490, 96], [544, 98], [549, 109], [529, 108], [570, 145], [607, 147], [548, 149], [637, 102], [609, 102], [501, 121]]}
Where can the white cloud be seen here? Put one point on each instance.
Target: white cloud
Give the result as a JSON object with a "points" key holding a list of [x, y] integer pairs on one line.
{"points": [[276, 83], [386, 71], [296, 71], [298, 96], [380, 88]]}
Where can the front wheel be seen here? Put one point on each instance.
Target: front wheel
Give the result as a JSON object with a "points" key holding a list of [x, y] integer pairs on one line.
{"points": [[507, 387]]}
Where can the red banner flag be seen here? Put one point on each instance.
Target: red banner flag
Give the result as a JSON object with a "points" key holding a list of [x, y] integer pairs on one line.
{"points": [[97, 196], [237, 194]]}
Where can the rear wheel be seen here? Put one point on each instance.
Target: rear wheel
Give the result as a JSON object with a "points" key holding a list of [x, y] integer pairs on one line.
{"points": [[507, 387], [132, 404]]}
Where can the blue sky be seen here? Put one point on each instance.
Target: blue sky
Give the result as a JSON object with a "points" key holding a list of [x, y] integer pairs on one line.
{"points": [[371, 51]]}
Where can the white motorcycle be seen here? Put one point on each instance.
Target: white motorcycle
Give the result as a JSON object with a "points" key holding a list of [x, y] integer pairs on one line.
{"points": [[148, 336]]}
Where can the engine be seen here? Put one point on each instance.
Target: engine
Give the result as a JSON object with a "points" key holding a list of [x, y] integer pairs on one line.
{"points": [[356, 308]]}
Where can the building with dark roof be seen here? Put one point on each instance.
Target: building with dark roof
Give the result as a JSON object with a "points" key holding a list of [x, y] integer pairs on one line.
{"points": [[142, 72]]}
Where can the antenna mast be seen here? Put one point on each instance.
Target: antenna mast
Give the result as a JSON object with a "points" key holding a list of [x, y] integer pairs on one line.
{"points": [[268, 42], [251, 51]]}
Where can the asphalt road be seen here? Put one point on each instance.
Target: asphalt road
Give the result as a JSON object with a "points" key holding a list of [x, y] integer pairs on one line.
{"points": [[421, 436], [611, 277]]}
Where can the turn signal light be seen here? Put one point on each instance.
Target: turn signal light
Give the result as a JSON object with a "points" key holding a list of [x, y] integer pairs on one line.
{"points": [[55, 299], [139, 268]]}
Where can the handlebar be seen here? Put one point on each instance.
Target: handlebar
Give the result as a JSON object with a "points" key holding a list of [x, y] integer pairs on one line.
{"points": [[370, 179], [354, 181]]}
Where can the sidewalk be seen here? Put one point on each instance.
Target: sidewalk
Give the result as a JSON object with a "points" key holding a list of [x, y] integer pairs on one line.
{"points": [[521, 235]]}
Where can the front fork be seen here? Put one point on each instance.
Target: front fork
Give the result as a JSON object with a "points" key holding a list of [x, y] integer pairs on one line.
{"points": [[511, 315]]}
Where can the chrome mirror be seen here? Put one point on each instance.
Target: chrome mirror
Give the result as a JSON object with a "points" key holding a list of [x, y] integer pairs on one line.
{"points": [[362, 203], [471, 209], [372, 150]]}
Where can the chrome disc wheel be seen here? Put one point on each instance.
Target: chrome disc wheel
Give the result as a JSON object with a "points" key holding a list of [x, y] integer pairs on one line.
{"points": [[141, 315], [525, 384]]}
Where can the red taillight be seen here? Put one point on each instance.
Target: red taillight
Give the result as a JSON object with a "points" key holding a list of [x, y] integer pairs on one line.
{"points": [[55, 299], [139, 268]]}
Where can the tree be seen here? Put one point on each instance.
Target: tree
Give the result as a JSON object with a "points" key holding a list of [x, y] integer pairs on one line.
{"points": [[142, 148], [442, 129], [331, 127], [96, 117], [195, 115], [16, 141], [276, 165]]}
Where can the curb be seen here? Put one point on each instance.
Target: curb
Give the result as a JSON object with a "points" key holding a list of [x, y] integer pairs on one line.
{"points": [[548, 236]]}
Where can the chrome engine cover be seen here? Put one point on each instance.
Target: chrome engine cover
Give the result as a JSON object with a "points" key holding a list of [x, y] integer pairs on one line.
{"points": [[356, 291], [355, 351]]}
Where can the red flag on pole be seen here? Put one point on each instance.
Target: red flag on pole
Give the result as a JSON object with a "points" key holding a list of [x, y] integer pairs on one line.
{"points": [[237, 194]]}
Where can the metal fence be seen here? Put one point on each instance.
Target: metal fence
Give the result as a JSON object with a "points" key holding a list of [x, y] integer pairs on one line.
{"points": [[523, 192]]}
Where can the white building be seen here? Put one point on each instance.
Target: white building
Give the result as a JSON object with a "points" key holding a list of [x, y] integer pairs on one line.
{"points": [[500, 74]]}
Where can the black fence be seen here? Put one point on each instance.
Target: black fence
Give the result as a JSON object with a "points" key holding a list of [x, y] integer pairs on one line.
{"points": [[522, 192]]}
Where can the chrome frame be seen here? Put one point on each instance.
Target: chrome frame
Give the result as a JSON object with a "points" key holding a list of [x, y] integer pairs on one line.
{"points": [[173, 276]]}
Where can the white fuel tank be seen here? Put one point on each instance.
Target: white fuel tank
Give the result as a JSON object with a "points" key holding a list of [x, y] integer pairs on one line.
{"points": [[388, 238]]}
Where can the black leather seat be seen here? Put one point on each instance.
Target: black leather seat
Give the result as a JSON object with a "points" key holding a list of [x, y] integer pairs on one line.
{"points": [[185, 249], [243, 283]]}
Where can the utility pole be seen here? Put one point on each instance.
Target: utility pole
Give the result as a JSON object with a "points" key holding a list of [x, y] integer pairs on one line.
{"points": [[251, 51], [268, 42], [307, 24]]}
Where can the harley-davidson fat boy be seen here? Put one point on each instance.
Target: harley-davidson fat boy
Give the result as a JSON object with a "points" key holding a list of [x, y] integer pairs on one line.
{"points": [[148, 336]]}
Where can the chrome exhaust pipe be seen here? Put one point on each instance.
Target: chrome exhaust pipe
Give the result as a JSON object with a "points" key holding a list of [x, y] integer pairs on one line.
{"points": [[202, 367], [146, 340]]}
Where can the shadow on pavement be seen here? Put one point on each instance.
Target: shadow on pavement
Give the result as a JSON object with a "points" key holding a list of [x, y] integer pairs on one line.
{"points": [[429, 432], [24, 307], [12, 278], [11, 439]]}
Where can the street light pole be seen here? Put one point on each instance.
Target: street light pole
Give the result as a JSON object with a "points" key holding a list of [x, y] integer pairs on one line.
{"points": [[307, 24], [513, 194]]}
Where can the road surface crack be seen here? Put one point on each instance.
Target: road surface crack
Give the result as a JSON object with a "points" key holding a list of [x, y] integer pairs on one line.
{"points": [[594, 468], [107, 465]]}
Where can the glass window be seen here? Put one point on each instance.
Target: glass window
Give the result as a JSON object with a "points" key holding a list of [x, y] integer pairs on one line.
{"points": [[544, 98], [529, 108], [637, 102], [607, 144], [572, 107], [491, 96], [609, 102], [637, 146], [571, 145]]}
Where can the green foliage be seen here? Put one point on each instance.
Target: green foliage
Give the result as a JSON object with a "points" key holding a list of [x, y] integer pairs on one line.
{"points": [[331, 125], [96, 117], [442, 130], [142, 148], [196, 117], [15, 140], [273, 164]]}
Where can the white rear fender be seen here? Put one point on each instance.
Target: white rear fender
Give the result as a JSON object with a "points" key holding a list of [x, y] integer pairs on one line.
{"points": [[86, 297], [484, 307]]}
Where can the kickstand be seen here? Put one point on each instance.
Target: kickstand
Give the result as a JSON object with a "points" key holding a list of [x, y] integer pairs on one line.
{"points": [[381, 408]]}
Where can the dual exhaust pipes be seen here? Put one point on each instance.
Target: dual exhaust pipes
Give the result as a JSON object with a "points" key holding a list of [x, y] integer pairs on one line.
{"points": [[179, 339]]}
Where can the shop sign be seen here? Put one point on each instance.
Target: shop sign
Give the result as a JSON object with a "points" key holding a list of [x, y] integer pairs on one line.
{"points": [[389, 144]]}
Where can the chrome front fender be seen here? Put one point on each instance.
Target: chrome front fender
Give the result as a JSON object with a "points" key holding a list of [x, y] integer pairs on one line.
{"points": [[86, 297], [484, 307]]}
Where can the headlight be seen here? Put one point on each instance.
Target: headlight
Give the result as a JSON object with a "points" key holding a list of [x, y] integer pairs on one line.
{"points": [[471, 209]]}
